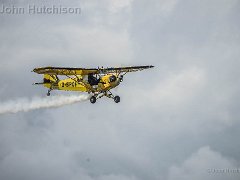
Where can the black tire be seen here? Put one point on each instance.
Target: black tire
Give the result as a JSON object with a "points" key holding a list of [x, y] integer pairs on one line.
{"points": [[93, 99], [117, 99], [48, 94]]}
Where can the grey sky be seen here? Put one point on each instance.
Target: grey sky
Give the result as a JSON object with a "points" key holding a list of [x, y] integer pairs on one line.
{"points": [[175, 121]]}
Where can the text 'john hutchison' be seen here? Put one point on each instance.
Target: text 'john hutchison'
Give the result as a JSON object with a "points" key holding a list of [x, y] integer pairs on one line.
{"points": [[33, 9]]}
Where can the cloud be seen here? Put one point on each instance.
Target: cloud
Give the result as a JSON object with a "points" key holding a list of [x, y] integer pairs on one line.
{"points": [[108, 46], [179, 88], [171, 119], [201, 165], [117, 5], [116, 177]]}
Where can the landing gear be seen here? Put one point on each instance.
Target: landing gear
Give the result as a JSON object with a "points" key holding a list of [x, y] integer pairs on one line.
{"points": [[106, 94], [48, 93], [110, 95], [117, 99], [93, 99]]}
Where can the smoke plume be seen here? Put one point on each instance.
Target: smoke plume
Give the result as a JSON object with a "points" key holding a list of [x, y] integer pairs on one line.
{"points": [[25, 104]]}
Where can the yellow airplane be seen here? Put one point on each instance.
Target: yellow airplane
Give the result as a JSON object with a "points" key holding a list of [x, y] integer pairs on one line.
{"points": [[96, 81]]}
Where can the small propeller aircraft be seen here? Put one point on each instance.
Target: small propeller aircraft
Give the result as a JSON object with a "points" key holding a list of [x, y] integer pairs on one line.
{"points": [[96, 81]]}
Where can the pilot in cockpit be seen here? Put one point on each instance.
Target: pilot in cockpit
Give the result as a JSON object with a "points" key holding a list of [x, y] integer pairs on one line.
{"points": [[93, 80]]}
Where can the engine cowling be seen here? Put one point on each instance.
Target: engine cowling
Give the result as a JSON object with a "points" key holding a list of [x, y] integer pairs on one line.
{"points": [[112, 78]]}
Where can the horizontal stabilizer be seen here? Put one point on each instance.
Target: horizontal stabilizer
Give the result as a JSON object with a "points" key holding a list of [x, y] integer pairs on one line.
{"points": [[38, 83]]}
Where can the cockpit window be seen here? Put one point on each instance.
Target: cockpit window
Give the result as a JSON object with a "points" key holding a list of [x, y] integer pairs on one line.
{"points": [[92, 80]]}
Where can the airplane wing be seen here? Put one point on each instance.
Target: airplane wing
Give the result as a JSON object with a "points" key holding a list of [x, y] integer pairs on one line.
{"points": [[86, 71], [64, 71], [125, 69]]}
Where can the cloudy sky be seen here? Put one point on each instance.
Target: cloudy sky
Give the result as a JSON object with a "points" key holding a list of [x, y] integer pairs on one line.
{"points": [[179, 120]]}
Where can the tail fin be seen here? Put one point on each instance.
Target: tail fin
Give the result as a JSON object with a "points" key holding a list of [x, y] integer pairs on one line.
{"points": [[49, 81], [49, 78]]}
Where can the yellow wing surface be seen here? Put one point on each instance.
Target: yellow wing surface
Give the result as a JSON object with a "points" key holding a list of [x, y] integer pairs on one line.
{"points": [[64, 71], [86, 71]]}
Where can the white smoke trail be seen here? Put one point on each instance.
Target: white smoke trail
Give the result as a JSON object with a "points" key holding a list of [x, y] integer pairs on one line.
{"points": [[25, 104]]}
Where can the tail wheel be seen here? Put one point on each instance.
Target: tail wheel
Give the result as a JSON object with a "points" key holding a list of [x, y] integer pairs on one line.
{"points": [[93, 99], [48, 93], [117, 99]]}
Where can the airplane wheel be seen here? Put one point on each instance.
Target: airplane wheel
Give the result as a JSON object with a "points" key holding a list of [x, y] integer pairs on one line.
{"points": [[93, 99], [117, 99]]}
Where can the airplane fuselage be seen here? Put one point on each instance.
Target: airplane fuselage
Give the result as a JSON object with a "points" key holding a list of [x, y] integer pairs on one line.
{"points": [[80, 83]]}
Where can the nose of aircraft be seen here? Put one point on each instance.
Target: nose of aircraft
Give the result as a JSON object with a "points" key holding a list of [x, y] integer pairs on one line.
{"points": [[112, 78]]}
